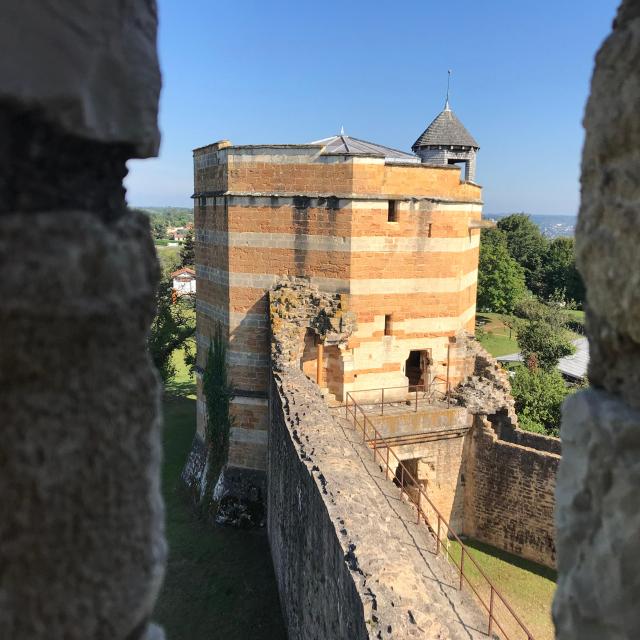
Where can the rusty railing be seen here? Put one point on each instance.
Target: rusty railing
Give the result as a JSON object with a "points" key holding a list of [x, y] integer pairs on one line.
{"points": [[372, 437], [415, 393]]}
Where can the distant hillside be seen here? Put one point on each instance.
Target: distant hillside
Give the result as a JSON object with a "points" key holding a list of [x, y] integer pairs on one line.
{"points": [[168, 211], [553, 226]]}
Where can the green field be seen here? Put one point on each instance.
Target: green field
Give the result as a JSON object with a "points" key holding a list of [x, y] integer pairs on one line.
{"points": [[528, 587], [219, 581], [499, 340], [494, 336]]}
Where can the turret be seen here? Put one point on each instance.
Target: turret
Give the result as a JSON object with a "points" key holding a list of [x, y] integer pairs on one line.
{"points": [[446, 141]]}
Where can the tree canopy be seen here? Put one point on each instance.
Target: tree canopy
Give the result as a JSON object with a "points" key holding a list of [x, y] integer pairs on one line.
{"points": [[538, 398], [544, 343], [527, 246], [560, 275], [501, 280], [187, 251], [172, 329]]}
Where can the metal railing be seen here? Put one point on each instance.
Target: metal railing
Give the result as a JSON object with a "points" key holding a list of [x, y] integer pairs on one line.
{"points": [[436, 391], [497, 606]]}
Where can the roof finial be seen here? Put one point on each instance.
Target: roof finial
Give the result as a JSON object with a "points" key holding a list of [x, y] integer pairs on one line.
{"points": [[341, 130], [446, 103]]}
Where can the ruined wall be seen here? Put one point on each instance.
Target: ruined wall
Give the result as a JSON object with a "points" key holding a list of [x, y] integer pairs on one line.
{"points": [[598, 514], [318, 594], [509, 474], [81, 517], [509, 495]]}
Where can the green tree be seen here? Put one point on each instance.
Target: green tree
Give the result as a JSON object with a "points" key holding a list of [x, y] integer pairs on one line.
{"points": [[561, 277], [187, 251], [544, 341], [500, 279], [527, 246], [538, 398], [218, 394], [172, 328]]}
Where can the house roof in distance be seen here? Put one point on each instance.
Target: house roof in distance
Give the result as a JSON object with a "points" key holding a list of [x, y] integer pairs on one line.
{"points": [[574, 366], [343, 144], [184, 271], [446, 130]]}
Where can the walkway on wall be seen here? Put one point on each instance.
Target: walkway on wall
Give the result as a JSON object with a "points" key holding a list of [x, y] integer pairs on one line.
{"points": [[414, 547], [474, 601]]}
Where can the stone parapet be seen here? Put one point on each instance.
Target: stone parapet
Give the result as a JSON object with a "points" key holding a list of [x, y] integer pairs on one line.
{"points": [[348, 559]]}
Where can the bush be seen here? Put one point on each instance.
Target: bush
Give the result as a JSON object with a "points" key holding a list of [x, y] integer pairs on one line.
{"points": [[544, 342], [539, 395]]}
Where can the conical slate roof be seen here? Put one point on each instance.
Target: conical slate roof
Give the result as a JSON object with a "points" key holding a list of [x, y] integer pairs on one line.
{"points": [[446, 130], [346, 145]]}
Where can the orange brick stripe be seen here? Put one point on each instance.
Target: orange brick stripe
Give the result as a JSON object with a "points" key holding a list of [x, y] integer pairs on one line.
{"points": [[411, 305], [281, 217]]}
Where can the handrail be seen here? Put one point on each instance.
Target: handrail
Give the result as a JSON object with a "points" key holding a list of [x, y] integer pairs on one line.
{"points": [[429, 391], [378, 441]]}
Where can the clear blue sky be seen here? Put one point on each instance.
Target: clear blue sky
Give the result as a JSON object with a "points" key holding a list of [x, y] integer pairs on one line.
{"points": [[271, 71]]}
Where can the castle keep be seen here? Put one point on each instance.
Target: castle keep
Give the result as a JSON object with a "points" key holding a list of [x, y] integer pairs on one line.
{"points": [[397, 234]]}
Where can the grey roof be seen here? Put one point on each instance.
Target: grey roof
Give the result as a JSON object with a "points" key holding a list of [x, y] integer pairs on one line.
{"points": [[445, 130], [346, 145], [573, 366]]}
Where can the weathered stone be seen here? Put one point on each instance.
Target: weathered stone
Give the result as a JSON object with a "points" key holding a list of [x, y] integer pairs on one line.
{"points": [[81, 514], [609, 210], [597, 492], [296, 305], [86, 66], [598, 519]]}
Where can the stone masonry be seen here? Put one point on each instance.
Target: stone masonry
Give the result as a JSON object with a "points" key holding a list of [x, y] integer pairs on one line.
{"points": [[81, 516], [598, 512], [349, 560], [397, 239]]}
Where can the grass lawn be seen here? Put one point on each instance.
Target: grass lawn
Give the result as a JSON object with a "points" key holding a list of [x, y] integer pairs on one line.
{"points": [[219, 581], [496, 338], [528, 587]]}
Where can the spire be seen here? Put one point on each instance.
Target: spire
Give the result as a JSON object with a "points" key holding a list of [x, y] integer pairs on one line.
{"points": [[446, 102], [341, 130]]}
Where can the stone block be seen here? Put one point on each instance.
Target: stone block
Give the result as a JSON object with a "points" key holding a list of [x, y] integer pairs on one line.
{"points": [[86, 66], [598, 519], [81, 516]]}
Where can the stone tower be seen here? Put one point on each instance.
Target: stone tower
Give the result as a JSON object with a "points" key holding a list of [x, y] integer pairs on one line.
{"points": [[396, 237], [446, 141]]}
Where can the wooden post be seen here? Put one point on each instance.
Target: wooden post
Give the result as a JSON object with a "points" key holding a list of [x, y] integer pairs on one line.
{"points": [[319, 362]]}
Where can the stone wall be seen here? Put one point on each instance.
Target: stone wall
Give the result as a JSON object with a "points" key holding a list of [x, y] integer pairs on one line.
{"points": [[598, 514], [81, 516], [350, 561], [509, 474], [509, 494], [317, 591], [438, 461]]}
